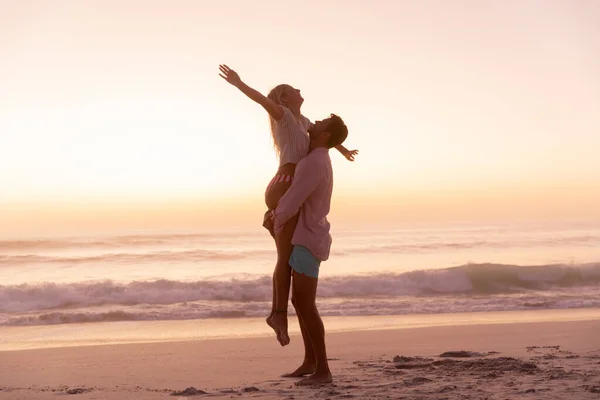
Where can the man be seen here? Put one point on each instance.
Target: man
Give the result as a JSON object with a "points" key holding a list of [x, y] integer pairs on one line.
{"points": [[310, 193]]}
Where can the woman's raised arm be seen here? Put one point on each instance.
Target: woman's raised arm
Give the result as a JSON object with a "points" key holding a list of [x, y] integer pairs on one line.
{"points": [[274, 109]]}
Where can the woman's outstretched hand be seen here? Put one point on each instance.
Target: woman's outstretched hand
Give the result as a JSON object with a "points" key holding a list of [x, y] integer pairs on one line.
{"points": [[229, 75], [350, 154]]}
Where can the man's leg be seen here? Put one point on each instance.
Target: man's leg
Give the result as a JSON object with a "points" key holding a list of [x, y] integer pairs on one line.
{"points": [[305, 291], [310, 362]]}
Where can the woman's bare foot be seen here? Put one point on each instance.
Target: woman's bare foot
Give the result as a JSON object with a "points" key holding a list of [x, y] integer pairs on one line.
{"points": [[280, 324], [303, 370], [272, 325], [320, 379]]}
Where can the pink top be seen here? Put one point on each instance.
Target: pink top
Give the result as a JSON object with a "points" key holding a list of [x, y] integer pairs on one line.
{"points": [[291, 137], [310, 193]]}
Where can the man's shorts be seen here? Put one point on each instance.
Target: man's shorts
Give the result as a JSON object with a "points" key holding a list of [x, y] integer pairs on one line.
{"points": [[303, 262]]}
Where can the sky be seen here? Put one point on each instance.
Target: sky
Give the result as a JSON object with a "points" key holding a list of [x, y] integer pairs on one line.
{"points": [[112, 113]]}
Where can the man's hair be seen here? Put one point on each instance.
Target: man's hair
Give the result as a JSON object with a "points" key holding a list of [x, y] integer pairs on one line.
{"points": [[338, 131]]}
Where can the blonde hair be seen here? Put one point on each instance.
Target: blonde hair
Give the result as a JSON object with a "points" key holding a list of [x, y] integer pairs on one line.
{"points": [[275, 95]]}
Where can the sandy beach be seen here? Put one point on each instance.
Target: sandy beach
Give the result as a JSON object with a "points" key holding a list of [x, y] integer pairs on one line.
{"points": [[542, 360]]}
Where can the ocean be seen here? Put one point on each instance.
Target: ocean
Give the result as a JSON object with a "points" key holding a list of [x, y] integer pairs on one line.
{"points": [[227, 275]]}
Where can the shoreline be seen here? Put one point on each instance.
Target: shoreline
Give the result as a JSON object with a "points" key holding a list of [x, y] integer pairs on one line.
{"points": [[136, 332]]}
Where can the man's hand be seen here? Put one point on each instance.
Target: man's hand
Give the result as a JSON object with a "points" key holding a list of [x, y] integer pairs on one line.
{"points": [[269, 223], [229, 75], [350, 154]]}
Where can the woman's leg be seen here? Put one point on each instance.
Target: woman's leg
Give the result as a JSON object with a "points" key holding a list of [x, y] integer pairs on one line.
{"points": [[281, 280], [277, 319]]}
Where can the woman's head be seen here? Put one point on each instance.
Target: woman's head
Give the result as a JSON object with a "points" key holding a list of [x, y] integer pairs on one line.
{"points": [[287, 96]]}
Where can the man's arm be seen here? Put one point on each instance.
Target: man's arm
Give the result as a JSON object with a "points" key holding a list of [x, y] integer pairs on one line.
{"points": [[305, 181]]}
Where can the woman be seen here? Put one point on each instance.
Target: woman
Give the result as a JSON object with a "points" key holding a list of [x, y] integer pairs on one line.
{"points": [[289, 130]]}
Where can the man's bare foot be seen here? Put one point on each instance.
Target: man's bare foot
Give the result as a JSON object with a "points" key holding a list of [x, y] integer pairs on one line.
{"points": [[315, 379], [280, 324], [303, 370]]}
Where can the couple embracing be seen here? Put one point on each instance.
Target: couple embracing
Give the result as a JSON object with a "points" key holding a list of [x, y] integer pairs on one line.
{"points": [[298, 199]]}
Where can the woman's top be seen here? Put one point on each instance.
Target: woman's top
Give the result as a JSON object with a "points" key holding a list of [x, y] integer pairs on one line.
{"points": [[291, 137]]}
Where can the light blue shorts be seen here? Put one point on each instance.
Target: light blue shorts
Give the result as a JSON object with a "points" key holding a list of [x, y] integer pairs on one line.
{"points": [[303, 262]]}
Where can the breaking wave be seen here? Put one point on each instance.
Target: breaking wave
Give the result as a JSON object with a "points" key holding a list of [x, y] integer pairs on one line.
{"points": [[472, 279]]}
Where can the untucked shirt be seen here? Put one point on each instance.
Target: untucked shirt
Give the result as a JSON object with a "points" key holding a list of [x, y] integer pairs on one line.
{"points": [[310, 193]]}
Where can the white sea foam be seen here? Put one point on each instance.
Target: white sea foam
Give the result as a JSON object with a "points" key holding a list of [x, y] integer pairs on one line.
{"points": [[466, 288]]}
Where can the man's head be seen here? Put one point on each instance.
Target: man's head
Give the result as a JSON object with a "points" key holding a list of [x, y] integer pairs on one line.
{"points": [[329, 132]]}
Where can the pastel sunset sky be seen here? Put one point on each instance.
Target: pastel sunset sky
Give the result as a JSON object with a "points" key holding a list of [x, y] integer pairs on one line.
{"points": [[112, 113]]}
